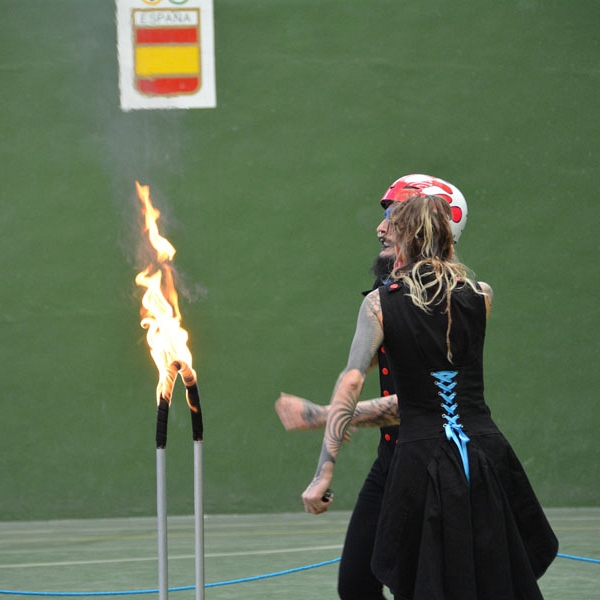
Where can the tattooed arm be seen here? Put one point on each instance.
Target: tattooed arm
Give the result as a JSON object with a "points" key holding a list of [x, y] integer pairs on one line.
{"points": [[300, 414], [377, 412], [367, 338]]}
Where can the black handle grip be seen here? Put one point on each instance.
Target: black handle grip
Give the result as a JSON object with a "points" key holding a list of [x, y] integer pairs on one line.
{"points": [[162, 418], [327, 496], [193, 400]]}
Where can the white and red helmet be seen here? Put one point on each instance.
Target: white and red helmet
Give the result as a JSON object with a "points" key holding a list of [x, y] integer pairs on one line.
{"points": [[426, 185]]}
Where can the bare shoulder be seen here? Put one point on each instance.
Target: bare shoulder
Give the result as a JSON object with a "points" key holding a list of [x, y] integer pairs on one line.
{"points": [[486, 288], [373, 302], [488, 293]]}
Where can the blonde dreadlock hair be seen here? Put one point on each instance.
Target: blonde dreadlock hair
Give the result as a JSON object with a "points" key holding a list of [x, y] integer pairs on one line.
{"points": [[425, 251]]}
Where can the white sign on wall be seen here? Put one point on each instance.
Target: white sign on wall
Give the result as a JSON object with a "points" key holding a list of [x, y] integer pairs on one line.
{"points": [[166, 54]]}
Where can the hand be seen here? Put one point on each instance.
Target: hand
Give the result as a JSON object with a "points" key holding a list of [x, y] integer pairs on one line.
{"points": [[315, 501], [315, 497], [297, 413]]}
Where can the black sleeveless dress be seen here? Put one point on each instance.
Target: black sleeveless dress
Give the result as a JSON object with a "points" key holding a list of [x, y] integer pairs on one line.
{"points": [[460, 520]]}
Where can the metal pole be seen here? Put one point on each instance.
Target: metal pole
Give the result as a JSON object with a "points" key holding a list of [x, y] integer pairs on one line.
{"points": [[162, 417], [199, 519], [161, 509], [192, 394]]}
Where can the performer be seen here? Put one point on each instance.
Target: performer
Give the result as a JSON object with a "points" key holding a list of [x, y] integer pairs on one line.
{"points": [[459, 518], [355, 579]]}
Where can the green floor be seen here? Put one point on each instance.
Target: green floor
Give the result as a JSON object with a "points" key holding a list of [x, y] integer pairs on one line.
{"points": [[120, 555]]}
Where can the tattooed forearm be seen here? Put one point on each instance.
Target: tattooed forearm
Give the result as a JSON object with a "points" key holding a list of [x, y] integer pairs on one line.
{"points": [[325, 457], [297, 414], [367, 338], [314, 416], [345, 397], [378, 412]]}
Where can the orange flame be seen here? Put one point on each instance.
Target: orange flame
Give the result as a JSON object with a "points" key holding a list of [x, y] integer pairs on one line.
{"points": [[160, 307]]}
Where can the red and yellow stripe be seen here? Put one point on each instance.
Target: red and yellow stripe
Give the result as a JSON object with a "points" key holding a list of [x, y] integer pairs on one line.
{"points": [[167, 60]]}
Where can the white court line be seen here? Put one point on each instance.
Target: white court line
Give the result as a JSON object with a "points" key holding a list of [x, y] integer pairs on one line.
{"points": [[71, 563]]}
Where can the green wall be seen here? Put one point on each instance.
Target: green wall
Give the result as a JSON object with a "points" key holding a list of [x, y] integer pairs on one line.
{"points": [[272, 201]]}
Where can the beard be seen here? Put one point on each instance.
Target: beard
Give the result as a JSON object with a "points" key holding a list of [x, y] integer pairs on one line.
{"points": [[383, 266]]}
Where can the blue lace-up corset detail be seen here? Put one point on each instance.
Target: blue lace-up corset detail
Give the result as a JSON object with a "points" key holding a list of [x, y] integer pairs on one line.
{"points": [[445, 381]]}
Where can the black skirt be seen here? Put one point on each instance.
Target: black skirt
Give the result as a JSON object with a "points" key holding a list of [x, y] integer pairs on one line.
{"points": [[442, 537]]}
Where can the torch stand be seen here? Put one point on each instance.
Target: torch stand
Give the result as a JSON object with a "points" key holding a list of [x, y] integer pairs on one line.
{"points": [[168, 344], [193, 399], [161, 510], [199, 519], [161, 497]]}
